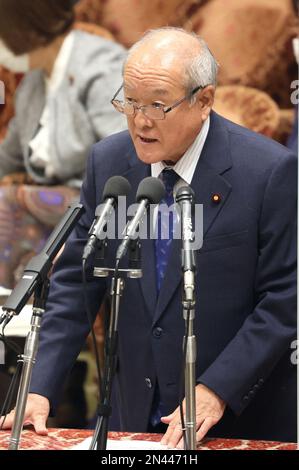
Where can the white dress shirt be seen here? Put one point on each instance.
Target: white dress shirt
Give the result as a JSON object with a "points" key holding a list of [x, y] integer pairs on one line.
{"points": [[186, 165]]}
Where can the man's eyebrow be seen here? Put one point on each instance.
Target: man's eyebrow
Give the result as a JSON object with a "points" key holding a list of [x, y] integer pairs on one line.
{"points": [[161, 91], [155, 91]]}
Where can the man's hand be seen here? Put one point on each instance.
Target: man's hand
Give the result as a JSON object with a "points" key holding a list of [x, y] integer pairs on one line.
{"points": [[209, 410], [36, 413]]}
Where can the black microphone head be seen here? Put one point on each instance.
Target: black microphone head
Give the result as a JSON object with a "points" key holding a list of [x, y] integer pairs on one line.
{"points": [[116, 186], [185, 193], [150, 188]]}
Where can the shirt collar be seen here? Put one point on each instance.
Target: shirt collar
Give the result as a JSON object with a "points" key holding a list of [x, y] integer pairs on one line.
{"points": [[185, 166]]}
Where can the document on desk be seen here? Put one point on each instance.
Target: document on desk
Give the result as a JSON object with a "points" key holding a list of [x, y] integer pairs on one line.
{"points": [[123, 444]]}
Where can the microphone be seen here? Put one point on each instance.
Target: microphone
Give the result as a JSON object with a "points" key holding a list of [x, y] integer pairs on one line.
{"points": [[38, 267], [115, 186], [150, 191], [185, 198]]}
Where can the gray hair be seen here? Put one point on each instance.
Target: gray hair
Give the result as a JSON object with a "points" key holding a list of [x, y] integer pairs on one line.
{"points": [[200, 69]]}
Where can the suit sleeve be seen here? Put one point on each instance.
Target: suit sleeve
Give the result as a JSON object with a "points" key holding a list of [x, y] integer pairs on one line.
{"points": [[65, 325], [267, 333]]}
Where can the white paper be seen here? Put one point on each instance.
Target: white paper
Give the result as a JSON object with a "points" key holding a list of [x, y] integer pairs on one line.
{"points": [[124, 444], [19, 324]]}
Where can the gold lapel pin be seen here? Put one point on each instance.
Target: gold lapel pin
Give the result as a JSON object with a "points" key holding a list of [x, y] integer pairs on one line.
{"points": [[216, 198]]}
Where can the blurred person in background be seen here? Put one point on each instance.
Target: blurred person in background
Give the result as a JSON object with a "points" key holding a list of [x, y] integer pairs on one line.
{"points": [[61, 108]]}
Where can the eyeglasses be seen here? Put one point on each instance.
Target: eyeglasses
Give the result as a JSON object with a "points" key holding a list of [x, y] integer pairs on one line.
{"points": [[156, 111]]}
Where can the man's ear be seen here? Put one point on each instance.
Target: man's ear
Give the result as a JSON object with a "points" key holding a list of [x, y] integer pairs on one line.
{"points": [[205, 100]]}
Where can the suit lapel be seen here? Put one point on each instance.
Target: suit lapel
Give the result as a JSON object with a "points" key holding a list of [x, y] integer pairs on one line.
{"points": [[207, 180]]}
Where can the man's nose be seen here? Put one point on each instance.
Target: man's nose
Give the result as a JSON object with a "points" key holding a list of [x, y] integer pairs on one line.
{"points": [[141, 120]]}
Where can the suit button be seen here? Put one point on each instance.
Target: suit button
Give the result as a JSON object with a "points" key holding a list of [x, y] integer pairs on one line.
{"points": [[246, 398], [251, 393], [256, 387], [157, 332], [261, 382], [148, 382]]}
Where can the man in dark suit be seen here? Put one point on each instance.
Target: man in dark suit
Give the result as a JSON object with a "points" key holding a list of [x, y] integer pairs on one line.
{"points": [[245, 285]]}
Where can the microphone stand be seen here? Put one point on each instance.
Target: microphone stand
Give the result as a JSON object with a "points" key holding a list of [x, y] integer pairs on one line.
{"points": [[150, 190], [100, 436], [188, 303], [185, 199], [35, 280], [28, 359]]}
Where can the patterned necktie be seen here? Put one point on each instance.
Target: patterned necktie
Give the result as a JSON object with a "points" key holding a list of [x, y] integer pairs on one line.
{"points": [[165, 229], [165, 225]]}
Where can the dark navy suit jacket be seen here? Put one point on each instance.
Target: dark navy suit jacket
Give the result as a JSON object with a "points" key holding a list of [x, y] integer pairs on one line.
{"points": [[245, 290]]}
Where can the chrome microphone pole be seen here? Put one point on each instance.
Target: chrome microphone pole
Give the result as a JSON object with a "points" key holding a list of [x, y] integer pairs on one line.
{"points": [[190, 344], [185, 200], [28, 360]]}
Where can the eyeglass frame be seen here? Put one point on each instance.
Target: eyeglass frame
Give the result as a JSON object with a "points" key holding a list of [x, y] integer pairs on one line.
{"points": [[165, 109]]}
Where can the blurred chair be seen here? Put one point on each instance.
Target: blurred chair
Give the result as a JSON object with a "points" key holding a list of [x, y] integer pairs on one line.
{"points": [[248, 107], [287, 124], [127, 20], [252, 41]]}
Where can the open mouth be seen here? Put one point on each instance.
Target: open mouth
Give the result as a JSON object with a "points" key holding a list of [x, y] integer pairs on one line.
{"points": [[146, 140]]}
